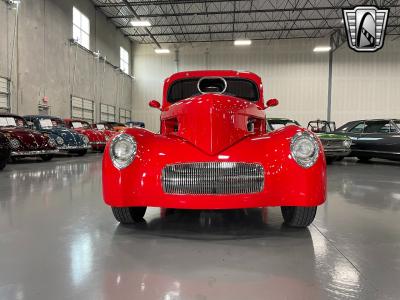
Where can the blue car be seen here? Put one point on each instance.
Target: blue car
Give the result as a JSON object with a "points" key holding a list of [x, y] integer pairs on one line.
{"points": [[67, 140]]}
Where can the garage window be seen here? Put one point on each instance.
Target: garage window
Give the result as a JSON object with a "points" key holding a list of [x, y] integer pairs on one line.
{"points": [[107, 113], [124, 115], [82, 109], [124, 60], [81, 28], [4, 94]]}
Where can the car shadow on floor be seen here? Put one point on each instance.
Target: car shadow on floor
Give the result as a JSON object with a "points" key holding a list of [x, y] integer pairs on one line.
{"points": [[214, 225]]}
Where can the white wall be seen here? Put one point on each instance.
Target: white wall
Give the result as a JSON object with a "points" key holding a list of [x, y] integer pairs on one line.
{"points": [[366, 85], [290, 71]]}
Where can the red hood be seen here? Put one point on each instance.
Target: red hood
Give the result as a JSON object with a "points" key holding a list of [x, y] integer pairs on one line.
{"points": [[92, 134], [29, 139], [212, 122]]}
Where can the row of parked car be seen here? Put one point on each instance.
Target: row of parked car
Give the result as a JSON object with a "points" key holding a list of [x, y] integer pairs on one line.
{"points": [[364, 139], [45, 136]]}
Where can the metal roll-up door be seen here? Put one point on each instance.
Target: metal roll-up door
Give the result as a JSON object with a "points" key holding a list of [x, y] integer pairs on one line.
{"points": [[4, 94], [82, 108], [107, 113], [124, 115]]}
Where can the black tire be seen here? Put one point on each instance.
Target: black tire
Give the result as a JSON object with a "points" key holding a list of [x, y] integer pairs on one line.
{"points": [[340, 158], [330, 160], [46, 157], [298, 216], [3, 164], [81, 152], [129, 215], [364, 159]]}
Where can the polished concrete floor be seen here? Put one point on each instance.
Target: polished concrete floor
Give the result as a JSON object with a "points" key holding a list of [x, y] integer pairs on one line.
{"points": [[59, 241]]}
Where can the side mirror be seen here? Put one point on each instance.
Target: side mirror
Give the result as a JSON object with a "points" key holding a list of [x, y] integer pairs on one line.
{"points": [[272, 102], [155, 104]]}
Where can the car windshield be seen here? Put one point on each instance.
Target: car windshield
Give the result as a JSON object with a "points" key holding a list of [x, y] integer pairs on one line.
{"points": [[276, 124], [379, 127], [100, 126], [47, 123], [236, 87], [80, 124], [321, 127], [11, 122], [397, 122]]}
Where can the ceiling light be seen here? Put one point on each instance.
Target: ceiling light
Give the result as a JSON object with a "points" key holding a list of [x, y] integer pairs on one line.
{"points": [[161, 51], [140, 23], [322, 49], [242, 42]]}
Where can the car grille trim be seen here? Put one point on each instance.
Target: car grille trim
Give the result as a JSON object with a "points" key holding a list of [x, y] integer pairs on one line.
{"points": [[213, 178]]}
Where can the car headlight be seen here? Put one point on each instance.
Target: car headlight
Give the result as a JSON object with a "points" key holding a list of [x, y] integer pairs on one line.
{"points": [[85, 139], [15, 144], [347, 143], [52, 142], [59, 140], [123, 150], [305, 149], [107, 137]]}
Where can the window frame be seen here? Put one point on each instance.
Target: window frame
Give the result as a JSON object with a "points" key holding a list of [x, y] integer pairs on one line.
{"points": [[124, 64], [82, 31]]}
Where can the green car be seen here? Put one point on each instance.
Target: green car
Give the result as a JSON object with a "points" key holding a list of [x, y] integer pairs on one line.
{"points": [[336, 147]]}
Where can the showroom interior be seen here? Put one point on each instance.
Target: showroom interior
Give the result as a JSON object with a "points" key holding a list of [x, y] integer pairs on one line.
{"points": [[76, 79]]}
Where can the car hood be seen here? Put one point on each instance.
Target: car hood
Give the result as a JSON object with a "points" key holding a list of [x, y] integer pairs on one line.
{"points": [[212, 122], [93, 135], [29, 139]]}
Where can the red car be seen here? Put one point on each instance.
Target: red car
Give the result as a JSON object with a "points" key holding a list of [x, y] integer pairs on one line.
{"points": [[214, 152], [25, 142], [104, 127], [97, 138]]}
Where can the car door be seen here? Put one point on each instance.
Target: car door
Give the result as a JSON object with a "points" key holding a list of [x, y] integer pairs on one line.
{"points": [[380, 138]]}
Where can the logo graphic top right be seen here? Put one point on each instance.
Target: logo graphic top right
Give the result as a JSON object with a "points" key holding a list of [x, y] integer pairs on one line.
{"points": [[365, 27]]}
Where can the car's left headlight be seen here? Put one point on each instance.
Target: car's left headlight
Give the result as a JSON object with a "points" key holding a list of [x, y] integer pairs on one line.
{"points": [[123, 150], [59, 140], [305, 149], [347, 143], [52, 142], [85, 139]]}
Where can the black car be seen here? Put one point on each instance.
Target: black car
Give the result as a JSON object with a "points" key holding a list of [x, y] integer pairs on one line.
{"points": [[373, 138], [4, 151]]}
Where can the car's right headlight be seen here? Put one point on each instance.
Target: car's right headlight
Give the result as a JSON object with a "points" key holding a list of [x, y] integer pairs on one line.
{"points": [[14, 143], [123, 150], [305, 149]]}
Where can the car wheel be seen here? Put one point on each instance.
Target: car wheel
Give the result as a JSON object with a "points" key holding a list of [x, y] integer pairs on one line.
{"points": [[81, 152], [46, 157], [330, 160], [3, 164], [298, 216], [364, 159], [129, 215], [340, 158]]}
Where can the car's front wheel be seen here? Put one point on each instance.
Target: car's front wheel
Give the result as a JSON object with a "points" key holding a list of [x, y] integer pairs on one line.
{"points": [[46, 157], [129, 215], [81, 152], [298, 216], [330, 160]]}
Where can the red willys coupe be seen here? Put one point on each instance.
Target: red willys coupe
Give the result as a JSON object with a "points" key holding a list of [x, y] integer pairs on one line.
{"points": [[214, 152], [97, 138]]}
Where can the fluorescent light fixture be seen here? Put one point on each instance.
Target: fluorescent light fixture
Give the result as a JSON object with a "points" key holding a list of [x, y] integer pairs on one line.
{"points": [[322, 49], [140, 23], [161, 51], [242, 42]]}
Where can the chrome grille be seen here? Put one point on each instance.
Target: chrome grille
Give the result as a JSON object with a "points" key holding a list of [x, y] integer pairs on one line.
{"points": [[209, 178], [332, 144]]}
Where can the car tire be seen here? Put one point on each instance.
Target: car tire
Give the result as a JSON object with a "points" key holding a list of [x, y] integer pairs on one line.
{"points": [[3, 164], [129, 215], [330, 160], [340, 158], [298, 216], [81, 152], [364, 159], [46, 157]]}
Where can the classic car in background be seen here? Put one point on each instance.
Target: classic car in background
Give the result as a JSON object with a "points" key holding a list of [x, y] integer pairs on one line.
{"points": [[214, 152], [115, 126], [373, 138], [4, 151], [66, 139], [24, 141], [276, 123], [97, 138], [336, 147], [108, 131], [131, 124]]}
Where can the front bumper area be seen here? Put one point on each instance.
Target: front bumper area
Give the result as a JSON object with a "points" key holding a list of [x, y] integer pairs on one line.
{"points": [[335, 152], [72, 148], [33, 153], [97, 143]]}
